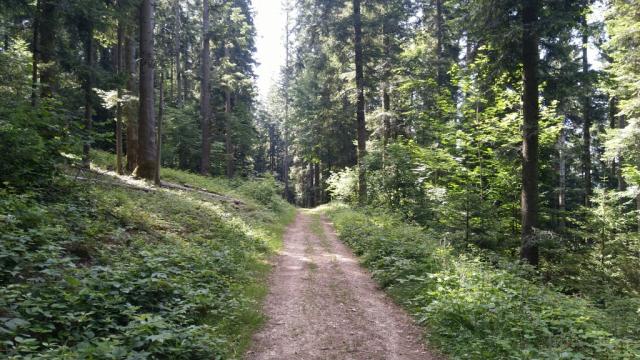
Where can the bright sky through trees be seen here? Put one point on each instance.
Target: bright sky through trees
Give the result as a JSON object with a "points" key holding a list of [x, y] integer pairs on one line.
{"points": [[270, 24]]}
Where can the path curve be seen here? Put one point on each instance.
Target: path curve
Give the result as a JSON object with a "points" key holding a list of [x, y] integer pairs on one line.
{"points": [[323, 305]]}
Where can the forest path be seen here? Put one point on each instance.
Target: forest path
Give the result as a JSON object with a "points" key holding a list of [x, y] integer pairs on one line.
{"points": [[323, 305]]}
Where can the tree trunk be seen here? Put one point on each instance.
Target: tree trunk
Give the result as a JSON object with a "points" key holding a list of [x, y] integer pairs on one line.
{"points": [[562, 180], [205, 106], [316, 182], [88, 95], [35, 48], [171, 82], [131, 105], [227, 124], [310, 186], [361, 128], [272, 148], [386, 99], [586, 123], [43, 47], [119, 65], [285, 161], [159, 139], [176, 49], [441, 71], [612, 176], [48, 27], [146, 121], [529, 198], [638, 210], [185, 79], [622, 185]]}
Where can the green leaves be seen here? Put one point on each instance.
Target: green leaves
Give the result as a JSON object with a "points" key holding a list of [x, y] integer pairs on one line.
{"points": [[114, 273], [476, 310]]}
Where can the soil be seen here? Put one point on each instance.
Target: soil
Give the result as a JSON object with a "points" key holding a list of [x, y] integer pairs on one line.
{"points": [[323, 305]]}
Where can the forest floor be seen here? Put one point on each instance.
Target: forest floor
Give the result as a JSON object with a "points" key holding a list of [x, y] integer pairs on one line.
{"points": [[323, 305]]}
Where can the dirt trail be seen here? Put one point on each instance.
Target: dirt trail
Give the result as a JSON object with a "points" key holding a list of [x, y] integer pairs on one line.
{"points": [[323, 305]]}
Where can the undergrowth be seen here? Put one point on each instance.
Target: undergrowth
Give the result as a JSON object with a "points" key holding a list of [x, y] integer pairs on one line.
{"points": [[94, 269], [473, 309]]}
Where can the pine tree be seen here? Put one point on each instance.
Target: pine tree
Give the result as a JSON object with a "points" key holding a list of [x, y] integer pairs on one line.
{"points": [[529, 249], [205, 106], [146, 167]]}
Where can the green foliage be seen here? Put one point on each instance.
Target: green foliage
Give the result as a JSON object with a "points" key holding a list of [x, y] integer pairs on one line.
{"points": [[266, 191], [599, 259], [181, 140], [16, 70], [31, 137], [476, 306], [100, 270], [31, 142], [623, 24], [343, 185]]}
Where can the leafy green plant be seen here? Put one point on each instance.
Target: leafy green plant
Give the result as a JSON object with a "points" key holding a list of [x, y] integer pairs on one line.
{"points": [[474, 309], [111, 272], [342, 185], [31, 142]]}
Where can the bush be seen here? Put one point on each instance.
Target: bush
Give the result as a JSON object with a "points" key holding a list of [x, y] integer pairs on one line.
{"points": [[474, 310], [266, 191], [30, 146], [343, 185], [110, 272]]}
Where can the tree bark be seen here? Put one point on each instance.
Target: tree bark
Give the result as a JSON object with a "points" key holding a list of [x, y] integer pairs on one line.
{"points": [[441, 71], [272, 148], [586, 123], [43, 47], [361, 128], [47, 28], [171, 82], [119, 65], [529, 198], [205, 106], [176, 49], [35, 48], [88, 95], [310, 186], [562, 180], [621, 124], [285, 161], [386, 98], [131, 105], [227, 124], [146, 121], [183, 76], [638, 210], [159, 139], [316, 182]]}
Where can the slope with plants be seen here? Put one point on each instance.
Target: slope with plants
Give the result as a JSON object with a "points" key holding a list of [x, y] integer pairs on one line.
{"points": [[101, 266], [477, 305]]}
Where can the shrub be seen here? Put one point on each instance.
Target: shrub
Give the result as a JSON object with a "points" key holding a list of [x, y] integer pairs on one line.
{"points": [[31, 142], [343, 185], [475, 310], [110, 272], [266, 191]]}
